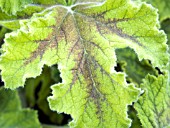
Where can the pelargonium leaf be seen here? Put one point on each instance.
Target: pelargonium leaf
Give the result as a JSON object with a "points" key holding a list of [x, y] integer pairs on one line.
{"points": [[11, 113], [46, 36], [97, 104], [81, 39], [153, 106], [120, 22]]}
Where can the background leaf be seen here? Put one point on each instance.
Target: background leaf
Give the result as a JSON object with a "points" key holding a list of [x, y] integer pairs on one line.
{"points": [[166, 27], [12, 22], [11, 7], [36, 92], [12, 115], [135, 70], [153, 106], [163, 7]]}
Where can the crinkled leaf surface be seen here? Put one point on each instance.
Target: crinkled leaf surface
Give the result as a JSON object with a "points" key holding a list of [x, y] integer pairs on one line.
{"points": [[163, 7], [82, 39], [12, 6], [11, 113], [97, 105], [153, 106]]}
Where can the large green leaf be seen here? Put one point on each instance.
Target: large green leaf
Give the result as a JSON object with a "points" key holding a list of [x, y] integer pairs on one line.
{"points": [[12, 6], [82, 39], [95, 106], [11, 113], [163, 7], [153, 106]]}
